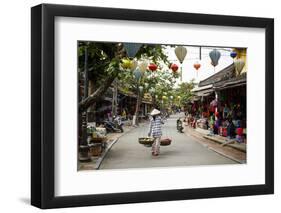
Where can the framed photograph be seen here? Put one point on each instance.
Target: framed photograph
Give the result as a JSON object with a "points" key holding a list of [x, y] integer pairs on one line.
{"points": [[136, 106]]}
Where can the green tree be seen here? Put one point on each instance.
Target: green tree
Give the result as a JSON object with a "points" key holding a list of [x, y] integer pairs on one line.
{"points": [[184, 92], [103, 68], [154, 54]]}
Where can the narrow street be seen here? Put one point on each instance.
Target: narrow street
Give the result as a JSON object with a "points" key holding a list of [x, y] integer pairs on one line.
{"points": [[183, 151]]}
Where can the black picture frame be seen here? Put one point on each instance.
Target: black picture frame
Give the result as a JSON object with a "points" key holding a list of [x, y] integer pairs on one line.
{"points": [[43, 102]]}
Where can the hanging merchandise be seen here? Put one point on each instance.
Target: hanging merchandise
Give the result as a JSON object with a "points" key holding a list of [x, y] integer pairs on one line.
{"points": [[239, 65], [131, 49], [181, 52], [214, 103], [152, 67], [215, 56]]}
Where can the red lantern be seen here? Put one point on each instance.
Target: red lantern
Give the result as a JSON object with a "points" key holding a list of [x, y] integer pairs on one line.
{"points": [[197, 66], [174, 67], [152, 67]]}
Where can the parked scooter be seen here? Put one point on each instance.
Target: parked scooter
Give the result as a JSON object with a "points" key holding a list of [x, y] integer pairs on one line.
{"points": [[110, 127], [179, 126], [118, 123]]}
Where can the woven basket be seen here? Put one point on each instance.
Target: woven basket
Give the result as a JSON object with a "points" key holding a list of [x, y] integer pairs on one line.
{"points": [[95, 149], [146, 141], [98, 140], [165, 142]]}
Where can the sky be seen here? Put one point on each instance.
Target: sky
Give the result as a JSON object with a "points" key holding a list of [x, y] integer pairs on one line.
{"points": [[192, 56]]}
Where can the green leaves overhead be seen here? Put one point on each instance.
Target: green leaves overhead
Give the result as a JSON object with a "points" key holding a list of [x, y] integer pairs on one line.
{"points": [[153, 52]]}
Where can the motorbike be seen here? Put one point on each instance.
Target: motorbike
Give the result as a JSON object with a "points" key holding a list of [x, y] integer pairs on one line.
{"points": [[118, 123], [179, 126], [111, 127], [119, 126]]}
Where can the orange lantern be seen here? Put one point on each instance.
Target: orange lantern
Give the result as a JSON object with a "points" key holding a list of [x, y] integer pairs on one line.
{"points": [[197, 66]]}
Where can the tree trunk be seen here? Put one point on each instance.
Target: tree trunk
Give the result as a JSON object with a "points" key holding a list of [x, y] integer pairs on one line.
{"points": [[154, 104], [94, 97], [139, 100]]}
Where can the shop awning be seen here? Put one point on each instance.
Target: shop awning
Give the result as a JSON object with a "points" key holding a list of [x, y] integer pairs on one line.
{"points": [[204, 93], [197, 89]]}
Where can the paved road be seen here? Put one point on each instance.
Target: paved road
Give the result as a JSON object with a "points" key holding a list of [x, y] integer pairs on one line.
{"points": [[184, 151]]}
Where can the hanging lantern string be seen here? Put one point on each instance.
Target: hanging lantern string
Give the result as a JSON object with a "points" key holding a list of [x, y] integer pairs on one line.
{"points": [[207, 54], [195, 58]]}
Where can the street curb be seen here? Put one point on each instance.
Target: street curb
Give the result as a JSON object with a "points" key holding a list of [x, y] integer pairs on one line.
{"points": [[231, 145], [100, 159], [225, 155], [214, 150]]}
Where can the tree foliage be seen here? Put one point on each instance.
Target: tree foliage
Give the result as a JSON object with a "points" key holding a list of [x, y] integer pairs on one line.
{"points": [[184, 91], [104, 65]]}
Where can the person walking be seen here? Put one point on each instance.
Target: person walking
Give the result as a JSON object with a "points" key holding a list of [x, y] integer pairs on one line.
{"points": [[155, 130]]}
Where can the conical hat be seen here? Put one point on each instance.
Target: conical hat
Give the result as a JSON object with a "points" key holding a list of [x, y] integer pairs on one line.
{"points": [[155, 112]]}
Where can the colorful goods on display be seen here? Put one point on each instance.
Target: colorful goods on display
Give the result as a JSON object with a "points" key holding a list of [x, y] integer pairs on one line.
{"points": [[239, 131], [214, 103], [223, 131]]}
